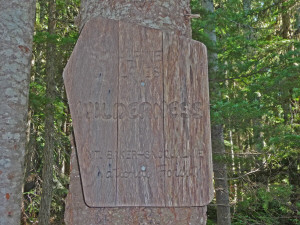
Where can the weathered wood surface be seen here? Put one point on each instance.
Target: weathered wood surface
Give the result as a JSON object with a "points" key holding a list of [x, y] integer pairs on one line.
{"points": [[139, 103], [188, 167], [91, 80], [140, 135], [165, 15], [78, 213]]}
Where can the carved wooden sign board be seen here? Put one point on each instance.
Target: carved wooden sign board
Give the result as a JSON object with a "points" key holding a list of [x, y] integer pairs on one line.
{"points": [[140, 109]]}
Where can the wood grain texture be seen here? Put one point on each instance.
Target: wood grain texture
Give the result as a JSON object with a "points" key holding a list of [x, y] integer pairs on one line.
{"points": [[91, 79], [188, 167], [78, 213], [140, 108], [140, 136]]}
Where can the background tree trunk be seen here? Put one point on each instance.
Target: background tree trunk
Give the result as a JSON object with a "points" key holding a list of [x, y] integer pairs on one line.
{"points": [[220, 173], [16, 32], [48, 161], [168, 15], [217, 136]]}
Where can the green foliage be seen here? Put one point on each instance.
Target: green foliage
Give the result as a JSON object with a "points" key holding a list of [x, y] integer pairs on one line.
{"points": [[258, 80], [64, 39], [31, 201], [258, 102], [265, 205]]}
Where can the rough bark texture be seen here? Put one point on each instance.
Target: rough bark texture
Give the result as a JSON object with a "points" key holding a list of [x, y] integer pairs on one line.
{"points": [[16, 32], [220, 176], [161, 14], [218, 147], [47, 176], [285, 21], [167, 15]]}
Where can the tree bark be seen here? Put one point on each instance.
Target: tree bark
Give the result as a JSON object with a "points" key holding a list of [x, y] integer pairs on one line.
{"points": [[217, 136], [48, 161], [16, 33], [220, 172], [233, 167], [293, 161], [168, 15], [285, 21]]}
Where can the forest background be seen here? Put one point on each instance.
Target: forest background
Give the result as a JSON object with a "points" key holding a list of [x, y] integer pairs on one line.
{"points": [[256, 75]]}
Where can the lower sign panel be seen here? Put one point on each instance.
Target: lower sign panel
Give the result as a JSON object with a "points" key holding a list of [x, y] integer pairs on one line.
{"points": [[139, 104]]}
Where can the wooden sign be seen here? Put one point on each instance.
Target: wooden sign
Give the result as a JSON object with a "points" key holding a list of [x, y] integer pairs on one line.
{"points": [[140, 109]]}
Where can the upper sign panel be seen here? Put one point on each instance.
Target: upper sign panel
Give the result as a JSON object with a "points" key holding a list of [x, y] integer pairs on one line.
{"points": [[140, 109]]}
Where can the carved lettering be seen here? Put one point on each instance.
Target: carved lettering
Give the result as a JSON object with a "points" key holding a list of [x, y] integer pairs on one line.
{"points": [[141, 64], [88, 110], [137, 154], [97, 110], [157, 109], [134, 154], [131, 65], [128, 174], [79, 110], [145, 110], [182, 172], [104, 110], [179, 172], [120, 111], [169, 173], [137, 110], [184, 110], [109, 155], [173, 109], [147, 155], [133, 110], [109, 174], [97, 155], [197, 110], [157, 63], [148, 71]]}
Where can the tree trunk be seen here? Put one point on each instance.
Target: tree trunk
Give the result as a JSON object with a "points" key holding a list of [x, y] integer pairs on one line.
{"points": [[16, 32], [29, 148], [220, 172], [285, 21], [296, 34], [48, 161], [167, 15], [218, 147], [233, 167], [293, 161]]}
